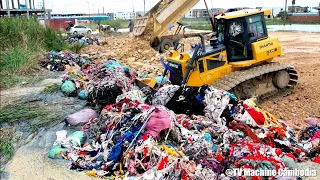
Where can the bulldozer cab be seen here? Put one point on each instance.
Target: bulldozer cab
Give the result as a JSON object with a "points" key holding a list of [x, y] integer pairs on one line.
{"points": [[238, 33]]}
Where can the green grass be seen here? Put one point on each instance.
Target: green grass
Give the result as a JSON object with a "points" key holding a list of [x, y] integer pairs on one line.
{"points": [[17, 112], [199, 25], [119, 22], [22, 41], [76, 47], [281, 22], [51, 89], [6, 148], [16, 64]]}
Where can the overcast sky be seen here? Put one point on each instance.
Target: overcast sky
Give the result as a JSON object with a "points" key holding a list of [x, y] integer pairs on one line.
{"points": [[81, 6]]}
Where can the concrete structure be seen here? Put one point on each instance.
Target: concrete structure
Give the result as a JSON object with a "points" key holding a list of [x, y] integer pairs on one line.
{"points": [[15, 8], [127, 15]]}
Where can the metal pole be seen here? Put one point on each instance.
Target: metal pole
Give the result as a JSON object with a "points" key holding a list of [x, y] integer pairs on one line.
{"points": [[1, 6], [18, 4], [144, 7], [8, 8], [12, 2], [27, 8], [285, 13], [89, 10], [44, 8]]}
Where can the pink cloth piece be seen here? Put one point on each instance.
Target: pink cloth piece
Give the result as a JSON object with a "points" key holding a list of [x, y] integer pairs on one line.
{"points": [[81, 117], [312, 121], [316, 135], [160, 120]]}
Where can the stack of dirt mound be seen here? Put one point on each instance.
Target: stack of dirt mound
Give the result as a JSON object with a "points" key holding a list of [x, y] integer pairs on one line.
{"points": [[133, 52]]}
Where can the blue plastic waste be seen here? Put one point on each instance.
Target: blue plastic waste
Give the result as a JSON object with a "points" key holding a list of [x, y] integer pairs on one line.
{"points": [[71, 40], [81, 41], [82, 95], [161, 78]]}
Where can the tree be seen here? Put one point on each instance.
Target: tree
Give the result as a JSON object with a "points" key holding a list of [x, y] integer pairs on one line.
{"points": [[306, 9]]}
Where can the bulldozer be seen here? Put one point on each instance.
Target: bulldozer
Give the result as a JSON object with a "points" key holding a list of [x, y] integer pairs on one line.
{"points": [[238, 59]]}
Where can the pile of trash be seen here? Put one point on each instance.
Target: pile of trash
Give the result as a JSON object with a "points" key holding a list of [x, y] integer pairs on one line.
{"points": [[81, 39], [175, 133], [59, 61], [99, 83]]}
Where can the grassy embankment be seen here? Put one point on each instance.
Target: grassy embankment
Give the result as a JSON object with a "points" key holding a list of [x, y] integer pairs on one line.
{"points": [[22, 42], [205, 25]]}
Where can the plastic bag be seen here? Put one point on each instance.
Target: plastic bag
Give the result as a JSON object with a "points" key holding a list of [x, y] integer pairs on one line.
{"points": [[81, 117]]}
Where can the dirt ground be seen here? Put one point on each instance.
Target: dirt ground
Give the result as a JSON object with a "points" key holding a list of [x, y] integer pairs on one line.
{"points": [[301, 49]]}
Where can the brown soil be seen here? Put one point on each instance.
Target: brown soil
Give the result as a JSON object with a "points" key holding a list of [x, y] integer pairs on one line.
{"points": [[303, 51]]}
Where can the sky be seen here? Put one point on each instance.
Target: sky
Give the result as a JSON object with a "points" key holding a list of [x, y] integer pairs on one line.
{"points": [[83, 6]]}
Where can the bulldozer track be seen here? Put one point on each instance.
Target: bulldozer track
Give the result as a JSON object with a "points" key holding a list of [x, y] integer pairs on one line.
{"points": [[247, 79]]}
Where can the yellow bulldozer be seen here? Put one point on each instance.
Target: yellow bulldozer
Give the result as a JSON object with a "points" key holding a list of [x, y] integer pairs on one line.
{"points": [[238, 59]]}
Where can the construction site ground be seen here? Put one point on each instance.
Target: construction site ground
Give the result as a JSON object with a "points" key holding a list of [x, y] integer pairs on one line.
{"points": [[301, 50]]}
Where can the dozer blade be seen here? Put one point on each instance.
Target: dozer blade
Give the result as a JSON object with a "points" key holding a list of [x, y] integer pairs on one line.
{"points": [[140, 25]]}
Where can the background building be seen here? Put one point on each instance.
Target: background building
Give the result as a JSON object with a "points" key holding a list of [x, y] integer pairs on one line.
{"points": [[200, 13]]}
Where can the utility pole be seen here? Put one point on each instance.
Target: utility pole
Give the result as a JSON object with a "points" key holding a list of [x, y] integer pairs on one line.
{"points": [[103, 10], [27, 8], [44, 8], [89, 8], [12, 2], [8, 8], [132, 6], [144, 7], [285, 13]]}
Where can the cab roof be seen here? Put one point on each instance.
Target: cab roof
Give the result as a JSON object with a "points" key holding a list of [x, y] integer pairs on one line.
{"points": [[243, 13]]}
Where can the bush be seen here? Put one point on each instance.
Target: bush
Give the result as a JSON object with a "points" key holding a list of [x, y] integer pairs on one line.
{"points": [[22, 41], [76, 47]]}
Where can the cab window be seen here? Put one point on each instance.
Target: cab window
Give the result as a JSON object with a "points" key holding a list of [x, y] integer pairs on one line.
{"points": [[201, 68], [256, 27], [212, 64]]}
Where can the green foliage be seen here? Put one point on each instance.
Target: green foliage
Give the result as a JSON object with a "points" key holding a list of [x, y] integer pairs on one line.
{"points": [[15, 63], [199, 25], [22, 40], [54, 41], [76, 47], [119, 22], [282, 15], [21, 112], [6, 148], [51, 89]]}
